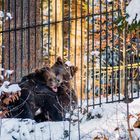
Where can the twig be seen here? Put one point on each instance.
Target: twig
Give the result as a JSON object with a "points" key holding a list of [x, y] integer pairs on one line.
{"points": [[128, 123], [0, 125]]}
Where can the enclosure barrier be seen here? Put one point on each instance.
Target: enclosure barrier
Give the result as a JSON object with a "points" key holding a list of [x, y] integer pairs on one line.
{"points": [[35, 32]]}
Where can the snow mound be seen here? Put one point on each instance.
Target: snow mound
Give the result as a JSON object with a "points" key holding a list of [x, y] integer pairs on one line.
{"points": [[108, 121]]}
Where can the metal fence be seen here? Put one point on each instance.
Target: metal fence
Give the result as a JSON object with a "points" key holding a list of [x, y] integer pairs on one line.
{"points": [[85, 32]]}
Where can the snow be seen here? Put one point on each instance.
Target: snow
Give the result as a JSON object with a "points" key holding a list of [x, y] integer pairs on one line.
{"points": [[14, 88], [68, 63], [1, 14], [29, 130], [109, 0], [38, 112], [132, 10], [108, 121], [8, 73], [3, 46], [1, 69], [7, 88], [96, 53], [9, 16]]}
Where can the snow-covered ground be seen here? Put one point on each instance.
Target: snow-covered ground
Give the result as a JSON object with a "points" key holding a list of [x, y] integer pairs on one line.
{"points": [[108, 121]]}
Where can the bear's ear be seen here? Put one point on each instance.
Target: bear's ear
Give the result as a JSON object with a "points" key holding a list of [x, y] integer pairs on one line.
{"points": [[42, 70], [76, 69], [45, 69], [59, 60], [73, 70], [37, 70]]}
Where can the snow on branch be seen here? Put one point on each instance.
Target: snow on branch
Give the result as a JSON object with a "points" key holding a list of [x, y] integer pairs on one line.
{"points": [[133, 10], [68, 63], [7, 88]]}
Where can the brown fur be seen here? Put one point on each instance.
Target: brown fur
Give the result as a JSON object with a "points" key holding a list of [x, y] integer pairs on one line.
{"points": [[64, 74], [39, 92], [45, 76]]}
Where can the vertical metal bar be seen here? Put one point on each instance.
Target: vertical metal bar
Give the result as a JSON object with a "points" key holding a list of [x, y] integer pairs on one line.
{"points": [[81, 72], [28, 36], [69, 59], [113, 83], [49, 30], [55, 29], [131, 68], [21, 38], [2, 36], [87, 54], [138, 49], [124, 56], [107, 89], [119, 71], [42, 30], [35, 34], [93, 50], [100, 49], [9, 36], [15, 41], [69, 19], [75, 40], [62, 29]]}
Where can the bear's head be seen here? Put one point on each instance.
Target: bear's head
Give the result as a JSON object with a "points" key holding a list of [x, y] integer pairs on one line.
{"points": [[64, 71], [43, 75], [48, 77]]}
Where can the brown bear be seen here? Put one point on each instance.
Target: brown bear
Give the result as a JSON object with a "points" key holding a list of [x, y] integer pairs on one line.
{"points": [[44, 76], [38, 97], [64, 74]]}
